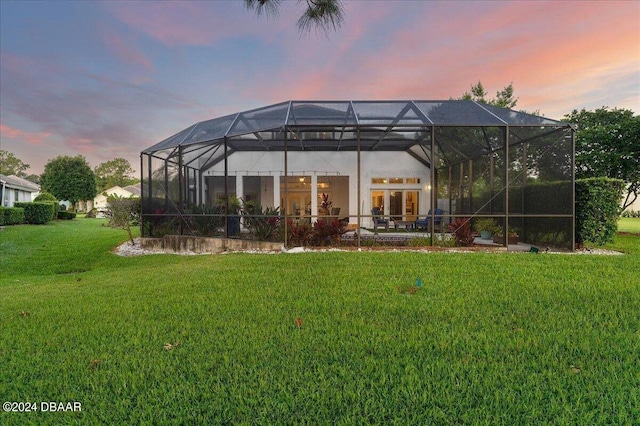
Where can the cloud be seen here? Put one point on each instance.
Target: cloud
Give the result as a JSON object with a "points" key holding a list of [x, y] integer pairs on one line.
{"points": [[31, 138], [127, 51], [181, 23], [87, 113], [438, 50]]}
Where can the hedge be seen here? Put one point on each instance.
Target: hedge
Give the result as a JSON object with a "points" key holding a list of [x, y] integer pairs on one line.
{"points": [[597, 209], [13, 215], [1, 215], [38, 213], [65, 215], [45, 196]]}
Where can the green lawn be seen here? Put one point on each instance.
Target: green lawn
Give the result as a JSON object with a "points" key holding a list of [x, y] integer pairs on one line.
{"points": [[500, 339], [629, 224]]}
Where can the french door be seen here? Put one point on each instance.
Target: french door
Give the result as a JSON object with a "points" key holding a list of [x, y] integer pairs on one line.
{"points": [[399, 204]]}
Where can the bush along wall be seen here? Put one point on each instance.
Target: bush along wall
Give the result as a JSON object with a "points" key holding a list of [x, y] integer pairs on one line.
{"points": [[2, 215], [597, 209], [13, 215], [38, 213]]}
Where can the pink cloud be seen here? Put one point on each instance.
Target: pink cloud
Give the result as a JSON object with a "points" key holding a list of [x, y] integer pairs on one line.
{"points": [[81, 145], [128, 51], [178, 23], [32, 138], [535, 45]]}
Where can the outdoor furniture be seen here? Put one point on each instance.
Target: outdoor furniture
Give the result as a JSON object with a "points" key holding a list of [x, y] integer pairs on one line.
{"points": [[425, 223], [378, 219], [408, 224]]}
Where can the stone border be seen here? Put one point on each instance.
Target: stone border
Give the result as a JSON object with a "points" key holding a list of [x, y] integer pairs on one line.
{"points": [[185, 244], [188, 245]]}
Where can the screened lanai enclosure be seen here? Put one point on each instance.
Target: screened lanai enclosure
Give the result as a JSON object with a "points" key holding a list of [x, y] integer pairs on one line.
{"points": [[376, 167]]}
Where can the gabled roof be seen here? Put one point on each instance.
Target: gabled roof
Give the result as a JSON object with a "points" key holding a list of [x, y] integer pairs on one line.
{"points": [[133, 189], [16, 182]]}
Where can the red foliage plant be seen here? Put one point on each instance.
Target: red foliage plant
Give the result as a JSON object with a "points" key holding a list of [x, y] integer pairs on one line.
{"points": [[461, 230]]}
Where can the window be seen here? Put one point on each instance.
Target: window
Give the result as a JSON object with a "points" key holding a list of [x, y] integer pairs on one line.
{"points": [[395, 181]]}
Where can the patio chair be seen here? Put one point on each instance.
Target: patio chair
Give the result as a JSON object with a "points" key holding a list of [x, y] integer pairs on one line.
{"points": [[378, 219], [425, 223]]}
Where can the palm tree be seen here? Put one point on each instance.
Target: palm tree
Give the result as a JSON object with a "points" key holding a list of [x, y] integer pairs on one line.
{"points": [[322, 14]]}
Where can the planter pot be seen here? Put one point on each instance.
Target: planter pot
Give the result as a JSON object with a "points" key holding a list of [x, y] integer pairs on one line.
{"points": [[233, 225], [323, 211], [499, 239], [485, 235]]}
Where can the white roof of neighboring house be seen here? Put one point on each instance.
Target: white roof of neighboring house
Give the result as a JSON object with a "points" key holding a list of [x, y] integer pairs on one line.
{"points": [[100, 201], [16, 182], [133, 189]]}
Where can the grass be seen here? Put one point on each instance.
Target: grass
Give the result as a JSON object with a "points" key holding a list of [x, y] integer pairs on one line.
{"points": [[629, 224], [334, 337]]}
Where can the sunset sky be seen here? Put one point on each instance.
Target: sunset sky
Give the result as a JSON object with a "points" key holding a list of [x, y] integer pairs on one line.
{"points": [[109, 79]]}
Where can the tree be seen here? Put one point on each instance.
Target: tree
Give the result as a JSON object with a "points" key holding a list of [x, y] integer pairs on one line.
{"points": [[608, 144], [122, 212], [69, 178], [504, 98], [114, 172], [33, 178], [11, 165], [322, 14]]}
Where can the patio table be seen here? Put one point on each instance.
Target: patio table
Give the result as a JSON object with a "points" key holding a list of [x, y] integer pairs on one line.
{"points": [[408, 224]]}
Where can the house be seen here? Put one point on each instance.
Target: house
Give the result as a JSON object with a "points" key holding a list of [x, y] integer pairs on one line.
{"points": [[401, 158], [633, 207], [15, 189], [100, 201]]}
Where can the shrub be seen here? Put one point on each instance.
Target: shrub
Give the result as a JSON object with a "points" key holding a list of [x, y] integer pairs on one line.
{"points": [[486, 224], [65, 215], [326, 232], [323, 232], [597, 209], [204, 220], [13, 215], [48, 197], [123, 212], [38, 213], [45, 196], [299, 233], [461, 231], [2, 215], [630, 213], [263, 224]]}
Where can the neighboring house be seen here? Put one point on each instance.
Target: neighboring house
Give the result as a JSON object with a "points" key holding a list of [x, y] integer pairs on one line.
{"points": [[634, 207], [15, 189], [100, 201]]}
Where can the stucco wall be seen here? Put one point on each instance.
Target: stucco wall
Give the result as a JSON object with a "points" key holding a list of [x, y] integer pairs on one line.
{"points": [[320, 163]]}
